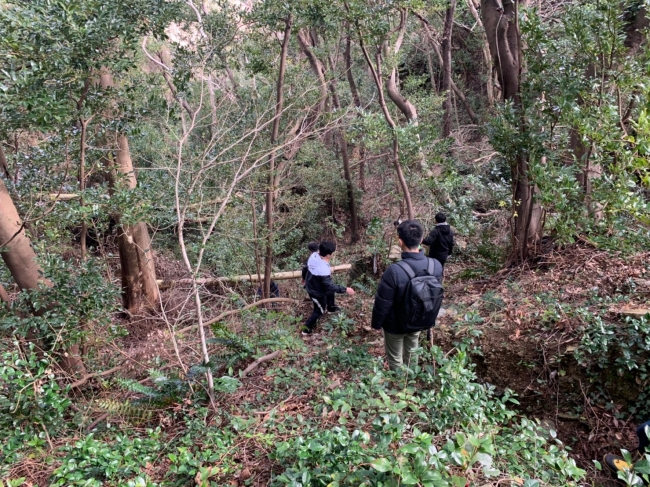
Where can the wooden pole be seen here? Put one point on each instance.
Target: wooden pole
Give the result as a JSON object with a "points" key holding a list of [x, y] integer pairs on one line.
{"points": [[277, 276]]}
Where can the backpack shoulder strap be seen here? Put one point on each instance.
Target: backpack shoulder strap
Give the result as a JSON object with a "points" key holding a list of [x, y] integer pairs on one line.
{"points": [[406, 268], [431, 265], [436, 265]]}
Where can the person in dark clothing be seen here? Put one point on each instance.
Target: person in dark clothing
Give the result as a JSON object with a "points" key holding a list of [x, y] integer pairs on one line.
{"points": [[275, 290], [331, 297], [642, 434], [388, 310], [440, 240], [616, 463], [313, 248], [318, 282]]}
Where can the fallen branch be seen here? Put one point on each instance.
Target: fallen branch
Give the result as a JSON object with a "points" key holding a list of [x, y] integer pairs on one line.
{"points": [[239, 310], [92, 425], [61, 197], [277, 276], [259, 361], [86, 377], [486, 214]]}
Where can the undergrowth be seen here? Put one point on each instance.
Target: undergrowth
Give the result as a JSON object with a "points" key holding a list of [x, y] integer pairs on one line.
{"points": [[334, 418]]}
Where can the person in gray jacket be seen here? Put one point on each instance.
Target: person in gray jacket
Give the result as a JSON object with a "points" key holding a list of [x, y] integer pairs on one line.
{"points": [[318, 283]]}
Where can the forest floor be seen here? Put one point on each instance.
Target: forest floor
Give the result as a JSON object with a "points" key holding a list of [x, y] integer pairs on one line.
{"points": [[525, 325], [531, 322]]}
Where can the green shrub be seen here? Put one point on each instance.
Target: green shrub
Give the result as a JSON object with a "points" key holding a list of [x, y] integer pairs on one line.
{"points": [[444, 429], [91, 462], [32, 405]]}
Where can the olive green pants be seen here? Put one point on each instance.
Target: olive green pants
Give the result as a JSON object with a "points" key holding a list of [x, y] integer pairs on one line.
{"points": [[398, 349]]}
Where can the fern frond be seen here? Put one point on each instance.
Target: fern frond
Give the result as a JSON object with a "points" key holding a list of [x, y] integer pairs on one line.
{"points": [[134, 386], [126, 409]]}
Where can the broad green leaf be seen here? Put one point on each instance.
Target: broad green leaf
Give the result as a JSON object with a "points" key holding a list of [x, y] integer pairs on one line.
{"points": [[381, 465]]}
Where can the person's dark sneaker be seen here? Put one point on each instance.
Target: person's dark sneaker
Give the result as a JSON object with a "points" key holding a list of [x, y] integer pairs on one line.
{"points": [[307, 331], [615, 463], [333, 309]]}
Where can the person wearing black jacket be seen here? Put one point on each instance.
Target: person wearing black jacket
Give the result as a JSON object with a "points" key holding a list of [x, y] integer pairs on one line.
{"points": [[312, 247], [440, 240], [331, 299], [618, 464], [318, 282], [388, 311]]}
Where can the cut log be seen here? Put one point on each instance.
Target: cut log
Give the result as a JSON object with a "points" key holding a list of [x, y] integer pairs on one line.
{"points": [[635, 312], [276, 276], [486, 214], [60, 197], [260, 360]]}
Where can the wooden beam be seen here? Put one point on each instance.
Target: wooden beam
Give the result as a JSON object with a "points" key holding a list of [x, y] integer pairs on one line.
{"points": [[276, 276], [60, 197]]}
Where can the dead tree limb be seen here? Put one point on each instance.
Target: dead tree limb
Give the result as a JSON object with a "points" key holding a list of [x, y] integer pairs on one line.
{"points": [[277, 276], [239, 310], [259, 361], [87, 377]]}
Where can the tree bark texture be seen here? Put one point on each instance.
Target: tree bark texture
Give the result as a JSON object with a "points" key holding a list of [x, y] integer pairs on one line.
{"points": [[502, 30], [139, 288], [4, 166], [402, 103], [438, 50], [19, 256], [347, 56], [270, 193], [82, 182], [352, 200], [20, 259], [503, 38]]}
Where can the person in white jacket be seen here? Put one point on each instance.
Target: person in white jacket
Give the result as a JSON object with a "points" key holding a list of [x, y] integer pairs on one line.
{"points": [[319, 284]]}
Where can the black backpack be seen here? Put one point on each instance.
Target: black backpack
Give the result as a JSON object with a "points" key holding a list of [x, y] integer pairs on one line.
{"points": [[422, 297]]}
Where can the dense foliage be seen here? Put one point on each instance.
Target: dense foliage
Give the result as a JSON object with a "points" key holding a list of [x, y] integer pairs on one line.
{"points": [[348, 102]]}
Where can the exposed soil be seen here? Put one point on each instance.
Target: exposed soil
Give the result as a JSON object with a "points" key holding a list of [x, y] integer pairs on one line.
{"points": [[525, 351]]}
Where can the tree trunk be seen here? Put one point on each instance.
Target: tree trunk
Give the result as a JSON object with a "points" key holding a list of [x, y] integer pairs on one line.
{"points": [[489, 88], [402, 103], [446, 67], [437, 49], [139, 288], [20, 259], [319, 70], [136, 256], [347, 56], [502, 30], [270, 193], [352, 201], [82, 182], [19, 256], [4, 166], [375, 70]]}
